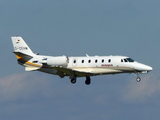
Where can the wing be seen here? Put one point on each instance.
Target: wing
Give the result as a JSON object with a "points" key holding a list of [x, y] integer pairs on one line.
{"points": [[68, 72]]}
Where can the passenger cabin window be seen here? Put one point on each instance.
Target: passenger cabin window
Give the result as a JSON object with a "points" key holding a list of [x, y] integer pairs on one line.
{"points": [[74, 61], [109, 60], [89, 61], [82, 61], [102, 60], [96, 61]]}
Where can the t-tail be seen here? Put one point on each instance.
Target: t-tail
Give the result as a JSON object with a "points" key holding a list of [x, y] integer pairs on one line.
{"points": [[24, 54], [21, 50], [20, 46]]}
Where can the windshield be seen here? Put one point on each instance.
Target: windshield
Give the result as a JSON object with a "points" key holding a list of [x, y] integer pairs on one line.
{"points": [[130, 59]]}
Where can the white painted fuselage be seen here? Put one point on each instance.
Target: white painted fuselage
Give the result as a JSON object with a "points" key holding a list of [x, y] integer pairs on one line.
{"points": [[74, 67], [96, 65]]}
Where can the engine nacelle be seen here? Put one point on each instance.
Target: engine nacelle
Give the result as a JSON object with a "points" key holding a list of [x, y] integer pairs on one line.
{"points": [[58, 61]]}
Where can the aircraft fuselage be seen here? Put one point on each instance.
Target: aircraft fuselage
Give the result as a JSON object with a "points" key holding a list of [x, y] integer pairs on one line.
{"points": [[74, 67]]}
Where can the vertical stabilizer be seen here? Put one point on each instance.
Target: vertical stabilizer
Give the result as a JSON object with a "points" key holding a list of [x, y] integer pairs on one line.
{"points": [[20, 46]]}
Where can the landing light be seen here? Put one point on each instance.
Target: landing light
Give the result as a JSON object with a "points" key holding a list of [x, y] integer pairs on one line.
{"points": [[144, 71]]}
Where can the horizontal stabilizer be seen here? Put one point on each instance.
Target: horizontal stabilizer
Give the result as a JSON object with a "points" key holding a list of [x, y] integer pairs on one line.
{"points": [[31, 68], [23, 55]]}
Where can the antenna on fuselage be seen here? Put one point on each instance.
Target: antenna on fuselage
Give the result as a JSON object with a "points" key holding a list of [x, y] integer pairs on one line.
{"points": [[87, 55]]}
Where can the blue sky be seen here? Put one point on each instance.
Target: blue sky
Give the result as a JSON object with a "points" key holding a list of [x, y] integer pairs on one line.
{"points": [[74, 28]]}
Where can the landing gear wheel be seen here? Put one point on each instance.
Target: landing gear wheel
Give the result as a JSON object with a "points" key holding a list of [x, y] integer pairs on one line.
{"points": [[138, 79], [73, 80], [88, 81]]}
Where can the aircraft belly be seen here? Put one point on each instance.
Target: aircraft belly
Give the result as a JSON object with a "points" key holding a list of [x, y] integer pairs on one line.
{"points": [[104, 70], [107, 70], [81, 69], [112, 70]]}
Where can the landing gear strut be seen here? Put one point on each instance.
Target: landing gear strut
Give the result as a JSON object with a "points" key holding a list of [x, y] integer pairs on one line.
{"points": [[88, 80], [138, 79]]}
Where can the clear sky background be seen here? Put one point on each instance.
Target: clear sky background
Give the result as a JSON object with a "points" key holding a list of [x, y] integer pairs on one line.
{"points": [[74, 28]]}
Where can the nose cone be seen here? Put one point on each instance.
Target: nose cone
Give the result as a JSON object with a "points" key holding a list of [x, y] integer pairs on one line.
{"points": [[148, 68], [144, 68]]}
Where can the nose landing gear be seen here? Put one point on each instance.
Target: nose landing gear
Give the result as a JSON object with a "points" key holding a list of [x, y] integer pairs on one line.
{"points": [[138, 79]]}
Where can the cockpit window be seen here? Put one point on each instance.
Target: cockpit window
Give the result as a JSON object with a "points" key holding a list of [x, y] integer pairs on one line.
{"points": [[125, 60], [130, 59]]}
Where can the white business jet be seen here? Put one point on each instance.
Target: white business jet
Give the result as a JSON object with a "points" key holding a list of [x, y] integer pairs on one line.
{"points": [[76, 66]]}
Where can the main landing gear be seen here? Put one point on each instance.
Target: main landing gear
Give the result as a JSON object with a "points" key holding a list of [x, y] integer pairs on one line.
{"points": [[73, 80], [138, 79], [87, 82]]}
